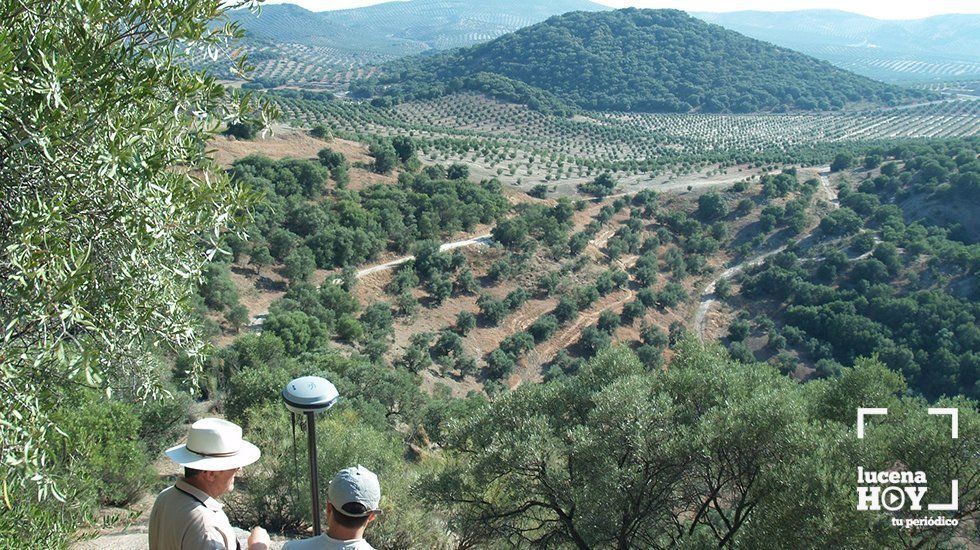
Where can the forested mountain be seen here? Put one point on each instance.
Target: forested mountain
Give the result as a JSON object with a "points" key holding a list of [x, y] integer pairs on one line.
{"points": [[635, 60], [944, 47], [401, 28]]}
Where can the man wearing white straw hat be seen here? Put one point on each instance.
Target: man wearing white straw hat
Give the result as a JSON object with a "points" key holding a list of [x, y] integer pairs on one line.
{"points": [[187, 516]]}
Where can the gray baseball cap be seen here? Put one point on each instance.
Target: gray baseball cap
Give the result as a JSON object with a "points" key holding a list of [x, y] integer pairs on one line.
{"points": [[355, 485]]}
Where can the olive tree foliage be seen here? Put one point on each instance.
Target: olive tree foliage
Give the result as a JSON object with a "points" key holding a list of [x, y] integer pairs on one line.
{"points": [[706, 453], [109, 206]]}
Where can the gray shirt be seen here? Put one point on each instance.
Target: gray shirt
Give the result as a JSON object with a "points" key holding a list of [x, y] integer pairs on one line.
{"points": [[186, 518], [323, 542]]}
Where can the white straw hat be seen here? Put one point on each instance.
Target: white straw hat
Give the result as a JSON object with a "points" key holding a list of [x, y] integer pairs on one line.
{"points": [[214, 444]]}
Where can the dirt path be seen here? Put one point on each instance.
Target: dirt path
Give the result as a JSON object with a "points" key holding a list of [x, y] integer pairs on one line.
{"points": [[481, 239], [600, 241], [135, 538], [708, 297]]}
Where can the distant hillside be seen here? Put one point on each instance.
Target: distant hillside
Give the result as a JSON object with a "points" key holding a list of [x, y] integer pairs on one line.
{"points": [[635, 60], [941, 48], [401, 28]]}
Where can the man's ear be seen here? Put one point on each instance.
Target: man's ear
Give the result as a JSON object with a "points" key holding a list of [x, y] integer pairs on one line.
{"points": [[372, 516]]}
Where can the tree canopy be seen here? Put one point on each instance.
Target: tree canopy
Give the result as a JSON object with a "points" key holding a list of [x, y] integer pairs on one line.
{"points": [[707, 452], [102, 239]]}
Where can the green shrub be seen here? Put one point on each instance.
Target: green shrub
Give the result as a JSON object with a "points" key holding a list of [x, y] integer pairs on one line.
{"points": [[741, 353], [738, 330], [217, 288], [499, 364], [320, 131], [253, 387], [33, 523], [241, 130], [465, 322], [102, 448]]}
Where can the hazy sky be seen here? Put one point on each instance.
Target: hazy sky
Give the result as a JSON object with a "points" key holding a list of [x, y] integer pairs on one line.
{"points": [[888, 9]]}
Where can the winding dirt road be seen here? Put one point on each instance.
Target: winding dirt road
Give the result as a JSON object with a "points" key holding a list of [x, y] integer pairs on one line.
{"points": [[708, 297]]}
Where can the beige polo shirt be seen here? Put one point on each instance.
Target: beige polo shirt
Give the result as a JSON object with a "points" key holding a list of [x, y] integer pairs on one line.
{"points": [[186, 518]]}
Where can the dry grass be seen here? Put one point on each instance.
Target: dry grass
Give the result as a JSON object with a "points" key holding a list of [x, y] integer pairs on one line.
{"points": [[288, 142]]}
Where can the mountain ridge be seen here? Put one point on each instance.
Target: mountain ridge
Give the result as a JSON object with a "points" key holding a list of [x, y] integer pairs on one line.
{"points": [[940, 47], [401, 28]]}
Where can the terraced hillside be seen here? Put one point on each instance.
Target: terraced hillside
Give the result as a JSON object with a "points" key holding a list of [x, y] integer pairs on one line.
{"points": [[526, 148], [289, 44]]}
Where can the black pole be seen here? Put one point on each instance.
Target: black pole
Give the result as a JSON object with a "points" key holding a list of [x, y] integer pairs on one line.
{"points": [[314, 478]]}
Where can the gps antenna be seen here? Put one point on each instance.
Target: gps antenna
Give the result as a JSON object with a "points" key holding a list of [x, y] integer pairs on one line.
{"points": [[310, 395]]}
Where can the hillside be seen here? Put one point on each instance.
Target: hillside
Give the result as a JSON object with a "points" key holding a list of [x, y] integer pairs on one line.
{"points": [[945, 47], [894, 275], [291, 45], [400, 28], [636, 60]]}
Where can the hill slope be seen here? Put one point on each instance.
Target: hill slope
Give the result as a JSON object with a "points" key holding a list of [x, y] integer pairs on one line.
{"points": [[637, 60], [401, 28], [943, 47]]}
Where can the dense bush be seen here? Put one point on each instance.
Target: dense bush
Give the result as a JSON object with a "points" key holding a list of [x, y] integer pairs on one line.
{"points": [[242, 130], [492, 310], [102, 448], [602, 185], [711, 206], [358, 225], [499, 364], [217, 288], [543, 328], [385, 157]]}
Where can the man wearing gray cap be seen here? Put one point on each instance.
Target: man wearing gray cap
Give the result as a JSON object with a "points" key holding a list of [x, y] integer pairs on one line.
{"points": [[352, 503]]}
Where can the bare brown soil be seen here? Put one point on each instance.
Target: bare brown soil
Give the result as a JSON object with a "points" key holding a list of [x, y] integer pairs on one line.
{"points": [[287, 142]]}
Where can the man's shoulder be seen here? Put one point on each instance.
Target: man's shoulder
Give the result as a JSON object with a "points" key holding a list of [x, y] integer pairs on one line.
{"points": [[172, 496], [324, 542], [168, 491], [180, 510], [165, 497]]}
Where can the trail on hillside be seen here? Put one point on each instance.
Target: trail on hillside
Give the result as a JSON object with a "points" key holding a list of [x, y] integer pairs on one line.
{"points": [[481, 239], [258, 317], [708, 297], [680, 185]]}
